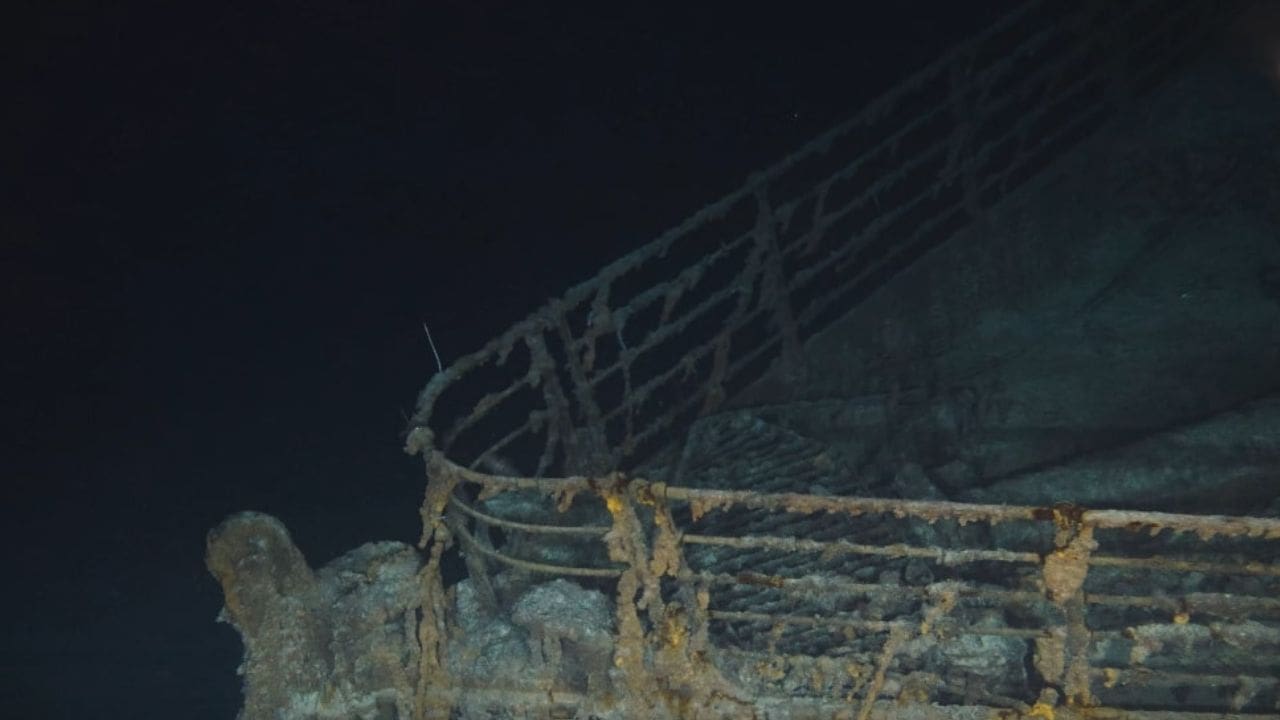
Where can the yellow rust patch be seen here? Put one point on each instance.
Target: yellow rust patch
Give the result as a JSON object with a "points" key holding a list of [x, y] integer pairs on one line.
{"points": [[613, 503], [1065, 568], [675, 628], [1041, 710]]}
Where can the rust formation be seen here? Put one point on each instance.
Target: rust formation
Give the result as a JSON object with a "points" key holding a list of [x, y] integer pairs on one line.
{"points": [[823, 644], [598, 576]]}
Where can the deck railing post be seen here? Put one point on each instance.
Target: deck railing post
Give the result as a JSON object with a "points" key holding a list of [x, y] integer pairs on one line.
{"points": [[1064, 573]]}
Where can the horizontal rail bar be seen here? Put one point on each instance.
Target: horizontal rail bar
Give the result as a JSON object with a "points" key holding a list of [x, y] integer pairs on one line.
{"points": [[545, 568], [590, 530], [942, 555]]}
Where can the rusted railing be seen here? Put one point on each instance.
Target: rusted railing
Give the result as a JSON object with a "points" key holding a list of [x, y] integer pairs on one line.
{"points": [[1112, 610], [598, 378], [834, 606]]}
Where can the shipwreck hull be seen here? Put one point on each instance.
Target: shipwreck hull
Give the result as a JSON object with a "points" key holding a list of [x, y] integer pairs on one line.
{"points": [[862, 439]]}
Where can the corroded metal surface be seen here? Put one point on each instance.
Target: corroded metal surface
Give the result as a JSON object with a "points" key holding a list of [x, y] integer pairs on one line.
{"points": [[762, 580], [959, 606], [1017, 612]]}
